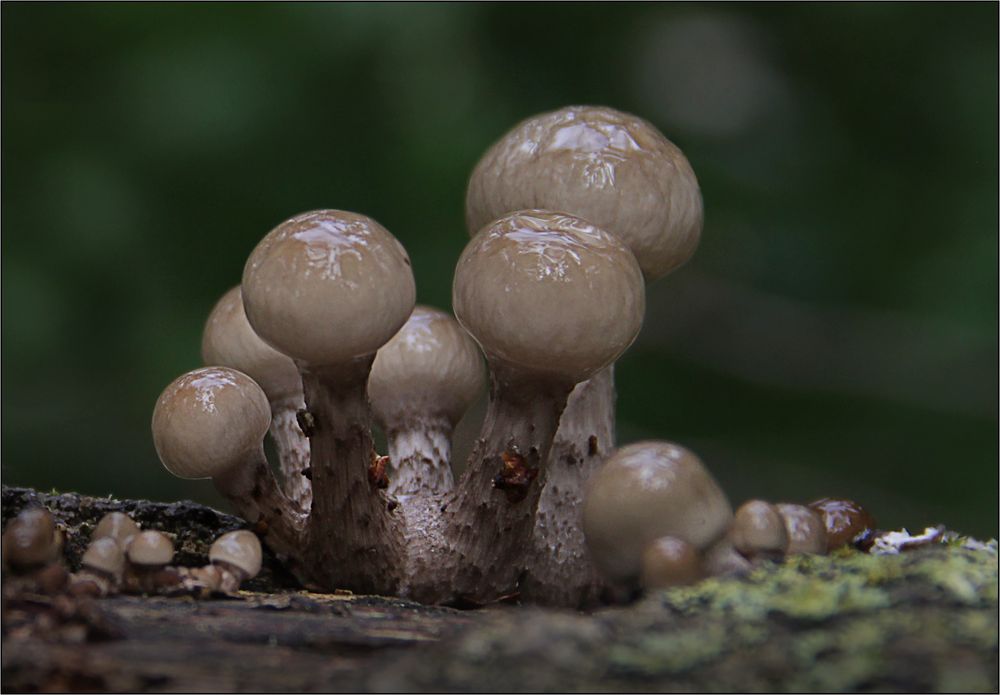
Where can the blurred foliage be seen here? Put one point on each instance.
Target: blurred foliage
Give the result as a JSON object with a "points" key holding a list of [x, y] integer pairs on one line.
{"points": [[836, 333]]}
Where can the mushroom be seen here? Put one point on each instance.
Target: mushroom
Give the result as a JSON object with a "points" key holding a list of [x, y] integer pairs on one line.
{"points": [[210, 423], [846, 521], [101, 568], [643, 492], [31, 541], [667, 562], [422, 382], [238, 554], [329, 288], [551, 299], [806, 531], [619, 172], [149, 555], [758, 531], [117, 526], [229, 341]]}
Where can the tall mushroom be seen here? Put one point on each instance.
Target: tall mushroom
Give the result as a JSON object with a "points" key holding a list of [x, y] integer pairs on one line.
{"points": [[329, 288], [422, 382], [229, 341], [619, 172], [551, 299]]}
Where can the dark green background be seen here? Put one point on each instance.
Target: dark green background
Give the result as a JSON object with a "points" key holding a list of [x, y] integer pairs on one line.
{"points": [[836, 333]]}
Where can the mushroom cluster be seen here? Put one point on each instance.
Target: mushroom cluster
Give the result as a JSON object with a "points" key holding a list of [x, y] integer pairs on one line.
{"points": [[570, 214]]}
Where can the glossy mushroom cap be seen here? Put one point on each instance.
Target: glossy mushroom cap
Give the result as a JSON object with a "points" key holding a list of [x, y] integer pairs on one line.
{"points": [[31, 539], [117, 526], [669, 561], [150, 549], [806, 532], [229, 341], [104, 555], [845, 520], [549, 293], [240, 549], [643, 492], [759, 530], [431, 368], [609, 167], [208, 421], [328, 286]]}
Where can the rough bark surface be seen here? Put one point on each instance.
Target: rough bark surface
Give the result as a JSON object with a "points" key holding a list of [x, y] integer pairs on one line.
{"points": [[924, 620]]}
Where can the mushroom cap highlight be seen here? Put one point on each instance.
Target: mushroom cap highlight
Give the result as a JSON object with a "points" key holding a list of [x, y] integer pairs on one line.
{"points": [[431, 368], [104, 555], [229, 341], [549, 293], [150, 549], [31, 539], [117, 526], [328, 286], [241, 549], [610, 167], [806, 531], [208, 421], [669, 561], [758, 529], [643, 492]]}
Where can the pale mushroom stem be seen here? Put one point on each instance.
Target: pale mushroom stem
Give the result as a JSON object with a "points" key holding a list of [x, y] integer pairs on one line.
{"points": [[420, 458], [355, 540], [560, 571], [293, 449], [491, 513]]}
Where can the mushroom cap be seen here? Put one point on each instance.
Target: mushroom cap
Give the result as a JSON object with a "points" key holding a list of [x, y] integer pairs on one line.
{"points": [[328, 286], [431, 368], [208, 421], [844, 520], [609, 167], [643, 492], [669, 561], [549, 293], [241, 549], [104, 555], [806, 531], [758, 529], [229, 341], [117, 526], [31, 539], [150, 549]]}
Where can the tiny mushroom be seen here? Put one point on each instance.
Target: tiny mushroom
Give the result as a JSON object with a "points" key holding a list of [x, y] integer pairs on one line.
{"points": [[150, 550], [31, 540], [229, 341], [806, 532], [643, 492], [117, 526], [101, 568], [846, 521], [667, 562], [239, 554], [422, 382], [758, 531]]}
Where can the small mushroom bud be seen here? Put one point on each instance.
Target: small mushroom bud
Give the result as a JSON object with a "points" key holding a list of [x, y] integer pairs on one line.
{"points": [[643, 492], [758, 531], [150, 549], [31, 540], [229, 341], [806, 531], [239, 554], [101, 568], [667, 562], [422, 382], [846, 522], [117, 526]]}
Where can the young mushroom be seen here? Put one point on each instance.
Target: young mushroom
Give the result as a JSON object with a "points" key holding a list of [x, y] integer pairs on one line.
{"points": [[758, 531], [238, 555], [846, 521], [31, 541], [667, 562], [118, 527], [422, 382], [620, 173], [806, 532], [551, 299], [149, 555], [229, 341], [101, 568], [329, 288]]}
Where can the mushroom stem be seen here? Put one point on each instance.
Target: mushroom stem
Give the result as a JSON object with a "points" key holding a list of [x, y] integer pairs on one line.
{"points": [[560, 571], [293, 449], [354, 540], [420, 458]]}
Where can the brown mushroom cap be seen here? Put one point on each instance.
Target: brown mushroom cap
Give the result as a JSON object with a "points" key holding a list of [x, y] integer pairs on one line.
{"points": [[609, 167], [328, 286], [208, 421], [31, 539], [549, 293], [241, 549], [669, 561], [806, 532], [759, 530], [150, 549], [117, 526], [845, 520], [229, 341], [431, 368], [104, 555], [643, 492]]}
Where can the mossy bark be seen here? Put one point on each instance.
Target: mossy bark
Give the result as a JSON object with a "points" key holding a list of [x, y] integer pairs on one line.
{"points": [[925, 620]]}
